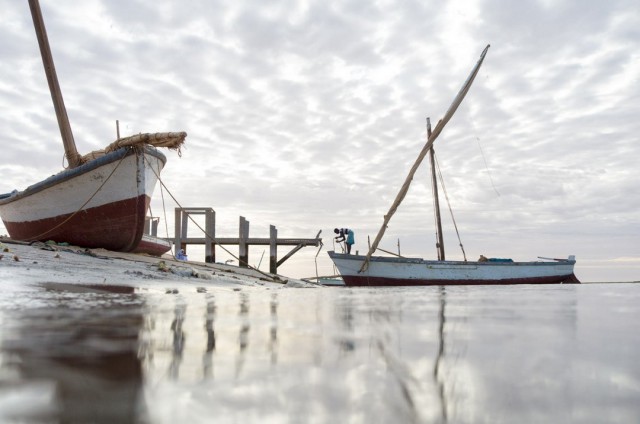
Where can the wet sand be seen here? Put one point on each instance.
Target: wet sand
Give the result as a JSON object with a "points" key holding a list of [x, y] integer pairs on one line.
{"points": [[39, 263], [112, 338]]}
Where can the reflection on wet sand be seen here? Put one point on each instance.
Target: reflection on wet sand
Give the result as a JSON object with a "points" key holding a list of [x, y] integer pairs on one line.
{"points": [[243, 336], [88, 355], [429, 355], [437, 372], [273, 330], [209, 320], [178, 340]]}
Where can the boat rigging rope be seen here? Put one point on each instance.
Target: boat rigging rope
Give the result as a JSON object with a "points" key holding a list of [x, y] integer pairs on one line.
{"points": [[81, 207], [484, 158], [166, 222], [444, 190]]}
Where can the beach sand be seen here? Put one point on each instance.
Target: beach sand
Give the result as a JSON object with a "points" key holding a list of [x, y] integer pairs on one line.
{"points": [[38, 263]]}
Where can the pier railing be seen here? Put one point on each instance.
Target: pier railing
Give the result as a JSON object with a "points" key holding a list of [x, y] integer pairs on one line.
{"points": [[243, 241]]}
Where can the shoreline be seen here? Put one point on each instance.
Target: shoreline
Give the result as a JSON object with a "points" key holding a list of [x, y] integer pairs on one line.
{"points": [[38, 263]]}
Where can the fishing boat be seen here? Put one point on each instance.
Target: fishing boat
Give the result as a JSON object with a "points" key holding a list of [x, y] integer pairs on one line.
{"points": [[369, 270], [102, 198], [150, 243]]}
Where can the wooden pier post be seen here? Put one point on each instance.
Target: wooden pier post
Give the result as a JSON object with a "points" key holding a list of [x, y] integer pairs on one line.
{"points": [[185, 223], [243, 247], [210, 235], [210, 240], [273, 249], [178, 229]]}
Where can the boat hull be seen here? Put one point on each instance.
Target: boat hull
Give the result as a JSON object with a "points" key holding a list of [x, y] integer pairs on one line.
{"points": [[385, 271], [102, 203], [152, 246]]}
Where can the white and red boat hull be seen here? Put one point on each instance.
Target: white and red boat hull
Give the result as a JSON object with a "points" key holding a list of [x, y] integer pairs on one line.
{"points": [[152, 245], [102, 203], [387, 271]]}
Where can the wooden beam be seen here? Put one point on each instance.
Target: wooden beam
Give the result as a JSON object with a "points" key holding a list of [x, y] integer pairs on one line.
{"points": [[273, 249], [243, 247], [210, 229], [290, 254], [253, 241]]}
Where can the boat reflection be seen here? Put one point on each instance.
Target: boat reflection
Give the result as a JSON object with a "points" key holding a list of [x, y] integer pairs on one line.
{"points": [[85, 356], [434, 354]]}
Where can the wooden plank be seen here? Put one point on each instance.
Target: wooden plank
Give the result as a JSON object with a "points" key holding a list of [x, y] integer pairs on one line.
{"points": [[251, 241]]}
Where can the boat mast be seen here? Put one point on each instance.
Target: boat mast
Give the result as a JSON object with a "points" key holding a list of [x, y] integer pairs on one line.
{"points": [[54, 87], [430, 139], [436, 202]]}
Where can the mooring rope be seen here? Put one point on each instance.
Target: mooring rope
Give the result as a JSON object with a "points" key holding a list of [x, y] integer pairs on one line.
{"points": [[81, 207]]}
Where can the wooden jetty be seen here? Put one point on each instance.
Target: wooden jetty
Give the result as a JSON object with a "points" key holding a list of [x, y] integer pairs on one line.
{"points": [[243, 241]]}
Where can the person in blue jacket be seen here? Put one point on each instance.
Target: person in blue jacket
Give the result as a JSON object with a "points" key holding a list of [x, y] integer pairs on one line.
{"points": [[346, 235]]}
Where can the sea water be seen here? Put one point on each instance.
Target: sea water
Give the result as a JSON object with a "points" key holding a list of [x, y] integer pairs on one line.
{"points": [[489, 354]]}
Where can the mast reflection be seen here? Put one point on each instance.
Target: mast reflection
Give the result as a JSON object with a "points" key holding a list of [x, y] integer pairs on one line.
{"points": [[207, 358], [178, 340], [437, 374], [273, 330], [243, 336]]}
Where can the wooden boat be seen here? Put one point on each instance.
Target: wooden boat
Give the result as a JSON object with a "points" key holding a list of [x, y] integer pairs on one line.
{"points": [[369, 270], [391, 271], [152, 245], [102, 199], [102, 203]]}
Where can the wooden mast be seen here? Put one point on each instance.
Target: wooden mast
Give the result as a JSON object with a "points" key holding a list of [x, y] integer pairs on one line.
{"points": [[436, 201], [54, 87], [423, 153]]}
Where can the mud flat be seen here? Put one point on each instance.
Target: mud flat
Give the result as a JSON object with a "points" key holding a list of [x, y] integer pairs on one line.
{"points": [[39, 263]]}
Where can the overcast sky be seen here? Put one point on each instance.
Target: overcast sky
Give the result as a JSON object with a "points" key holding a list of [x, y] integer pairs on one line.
{"points": [[308, 115]]}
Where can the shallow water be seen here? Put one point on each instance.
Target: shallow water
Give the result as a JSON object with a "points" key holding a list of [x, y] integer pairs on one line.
{"points": [[429, 354]]}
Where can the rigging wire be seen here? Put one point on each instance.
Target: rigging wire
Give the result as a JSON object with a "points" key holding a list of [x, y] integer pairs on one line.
{"points": [[164, 212], [487, 166], [484, 158], [444, 190]]}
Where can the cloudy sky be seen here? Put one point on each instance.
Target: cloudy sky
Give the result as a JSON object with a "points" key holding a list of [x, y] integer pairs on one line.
{"points": [[308, 115]]}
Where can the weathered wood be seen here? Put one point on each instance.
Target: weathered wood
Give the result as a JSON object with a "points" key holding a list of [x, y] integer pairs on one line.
{"points": [[243, 247], [273, 249], [290, 254], [210, 234], [436, 200], [54, 87], [178, 229], [243, 241]]}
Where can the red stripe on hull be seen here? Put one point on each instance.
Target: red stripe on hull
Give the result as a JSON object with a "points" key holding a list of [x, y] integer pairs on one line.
{"points": [[154, 247], [362, 281], [115, 226]]}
